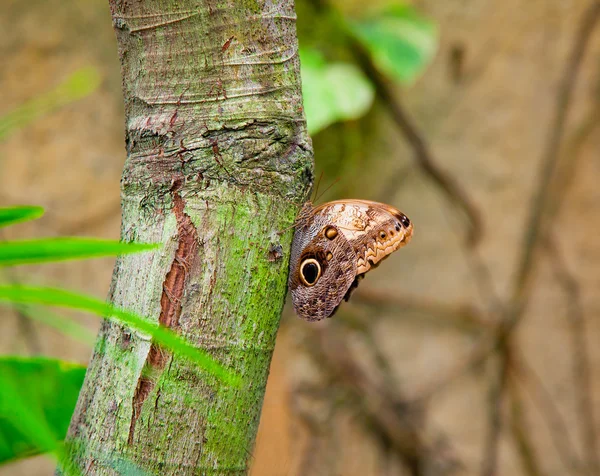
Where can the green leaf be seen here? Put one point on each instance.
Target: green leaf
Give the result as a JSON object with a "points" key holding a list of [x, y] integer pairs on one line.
{"points": [[165, 337], [77, 86], [36, 403], [332, 91], [11, 215], [400, 41], [14, 253]]}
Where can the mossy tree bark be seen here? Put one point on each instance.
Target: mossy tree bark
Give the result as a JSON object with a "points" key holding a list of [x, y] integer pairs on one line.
{"points": [[218, 163]]}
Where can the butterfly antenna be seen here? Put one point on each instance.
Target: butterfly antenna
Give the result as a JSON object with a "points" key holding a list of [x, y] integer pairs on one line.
{"points": [[317, 189], [293, 225], [325, 191], [299, 219]]}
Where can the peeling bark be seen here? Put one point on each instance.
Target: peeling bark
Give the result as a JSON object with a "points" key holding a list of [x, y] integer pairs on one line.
{"points": [[170, 306], [218, 162]]}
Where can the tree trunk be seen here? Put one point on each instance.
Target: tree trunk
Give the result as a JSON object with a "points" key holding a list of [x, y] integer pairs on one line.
{"points": [[218, 162]]}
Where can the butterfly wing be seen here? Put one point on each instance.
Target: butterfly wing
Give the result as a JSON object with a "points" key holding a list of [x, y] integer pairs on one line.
{"points": [[334, 260], [334, 244], [375, 230]]}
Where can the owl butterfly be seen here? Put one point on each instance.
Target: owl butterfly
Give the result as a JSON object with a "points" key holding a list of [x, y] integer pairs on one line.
{"points": [[334, 245]]}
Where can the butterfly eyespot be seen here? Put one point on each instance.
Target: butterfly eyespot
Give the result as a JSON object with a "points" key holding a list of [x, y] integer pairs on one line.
{"points": [[382, 235], [329, 256], [310, 272], [398, 227], [405, 221], [331, 232]]}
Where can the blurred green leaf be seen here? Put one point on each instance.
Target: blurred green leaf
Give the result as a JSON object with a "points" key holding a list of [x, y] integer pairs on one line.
{"points": [[400, 41], [80, 84], [14, 253], [12, 215], [36, 403], [165, 337], [332, 91]]}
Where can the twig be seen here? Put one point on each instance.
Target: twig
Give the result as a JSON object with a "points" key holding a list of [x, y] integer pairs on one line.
{"points": [[482, 277], [558, 428], [422, 154], [365, 328], [377, 402], [537, 224], [480, 352], [581, 356], [520, 433], [566, 171], [490, 453], [387, 414], [538, 220], [462, 315]]}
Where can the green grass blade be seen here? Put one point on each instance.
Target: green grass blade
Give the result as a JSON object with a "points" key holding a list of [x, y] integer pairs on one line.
{"points": [[14, 253], [165, 337], [80, 84], [12, 215]]}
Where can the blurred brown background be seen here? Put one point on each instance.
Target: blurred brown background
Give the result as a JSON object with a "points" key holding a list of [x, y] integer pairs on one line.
{"points": [[403, 379]]}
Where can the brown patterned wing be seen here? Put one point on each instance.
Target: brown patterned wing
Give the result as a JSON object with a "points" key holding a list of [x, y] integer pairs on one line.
{"points": [[335, 244], [375, 230], [322, 268]]}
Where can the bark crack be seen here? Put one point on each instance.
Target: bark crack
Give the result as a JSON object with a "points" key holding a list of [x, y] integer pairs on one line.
{"points": [[170, 307]]}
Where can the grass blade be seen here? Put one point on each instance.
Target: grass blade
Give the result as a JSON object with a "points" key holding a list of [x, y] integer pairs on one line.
{"points": [[12, 215], [14, 253], [165, 337]]}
